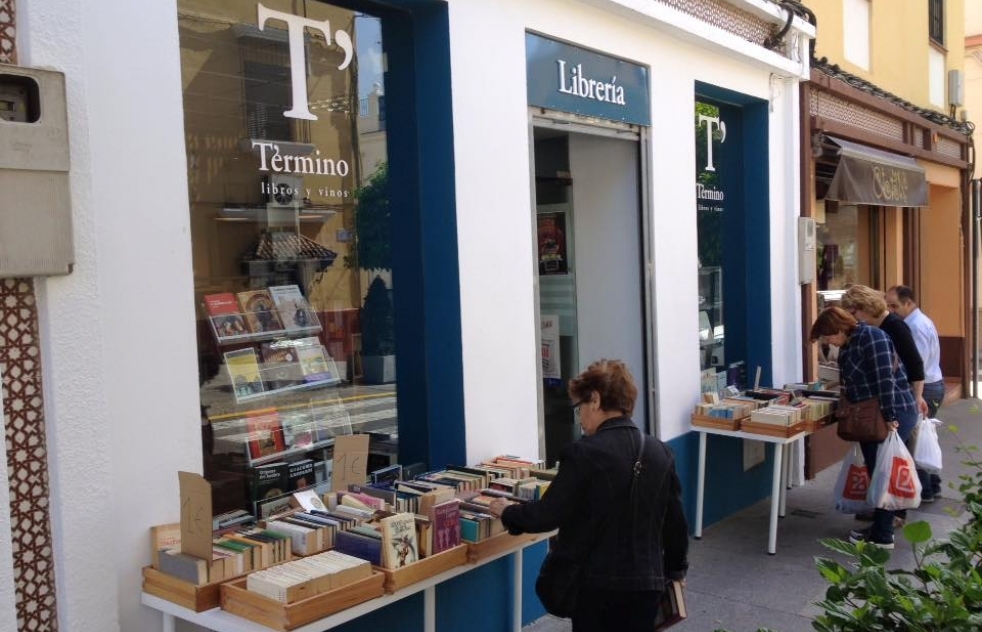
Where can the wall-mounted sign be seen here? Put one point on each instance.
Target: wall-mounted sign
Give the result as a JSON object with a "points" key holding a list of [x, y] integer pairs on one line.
{"points": [[571, 79]]}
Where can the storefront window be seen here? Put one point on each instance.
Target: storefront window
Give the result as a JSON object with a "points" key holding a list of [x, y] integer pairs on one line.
{"points": [[837, 251], [291, 237], [710, 131]]}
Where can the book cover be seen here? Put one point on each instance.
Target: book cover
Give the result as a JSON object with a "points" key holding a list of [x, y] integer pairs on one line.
{"points": [[399, 545], [265, 433], [243, 373], [260, 311], [360, 546], [446, 525], [293, 308], [268, 480], [300, 474], [313, 361], [223, 310], [298, 430], [281, 365]]}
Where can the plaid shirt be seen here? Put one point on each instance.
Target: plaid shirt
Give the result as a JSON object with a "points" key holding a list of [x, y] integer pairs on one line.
{"points": [[866, 368]]}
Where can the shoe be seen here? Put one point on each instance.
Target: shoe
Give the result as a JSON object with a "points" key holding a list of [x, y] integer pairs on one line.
{"points": [[865, 516], [866, 536], [927, 497]]}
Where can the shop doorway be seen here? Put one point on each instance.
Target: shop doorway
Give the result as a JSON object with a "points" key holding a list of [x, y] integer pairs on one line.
{"points": [[590, 250]]}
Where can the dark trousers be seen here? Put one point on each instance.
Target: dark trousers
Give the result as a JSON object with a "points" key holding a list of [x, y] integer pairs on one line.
{"points": [[606, 610]]}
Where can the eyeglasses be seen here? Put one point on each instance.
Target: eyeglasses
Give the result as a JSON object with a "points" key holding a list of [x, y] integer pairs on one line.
{"points": [[576, 407]]}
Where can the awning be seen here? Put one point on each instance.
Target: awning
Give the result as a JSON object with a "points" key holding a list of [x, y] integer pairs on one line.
{"points": [[872, 176]]}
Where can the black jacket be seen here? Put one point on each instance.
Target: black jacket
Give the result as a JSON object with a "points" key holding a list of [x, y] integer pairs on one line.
{"points": [[621, 548]]}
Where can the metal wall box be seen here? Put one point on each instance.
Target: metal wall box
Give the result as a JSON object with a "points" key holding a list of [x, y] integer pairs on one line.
{"points": [[35, 200]]}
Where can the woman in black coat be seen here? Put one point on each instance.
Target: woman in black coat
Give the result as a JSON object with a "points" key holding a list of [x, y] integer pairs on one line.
{"points": [[627, 550]]}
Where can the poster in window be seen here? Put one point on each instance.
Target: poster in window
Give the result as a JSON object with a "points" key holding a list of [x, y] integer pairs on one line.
{"points": [[552, 244], [551, 365]]}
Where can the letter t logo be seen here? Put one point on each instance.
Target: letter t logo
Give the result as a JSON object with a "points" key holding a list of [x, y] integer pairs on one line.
{"points": [[298, 58], [710, 121]]}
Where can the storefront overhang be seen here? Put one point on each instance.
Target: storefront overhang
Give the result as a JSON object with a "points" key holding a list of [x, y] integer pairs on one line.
{"points": [[872, 176]]}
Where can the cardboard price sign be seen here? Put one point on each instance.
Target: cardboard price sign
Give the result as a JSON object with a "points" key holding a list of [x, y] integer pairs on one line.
{"points": [[195, 515], [350, 461]]}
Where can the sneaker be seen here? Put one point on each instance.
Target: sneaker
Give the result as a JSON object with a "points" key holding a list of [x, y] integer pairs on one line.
{"points": [[865, 516], [866, 536], [927, 496]]}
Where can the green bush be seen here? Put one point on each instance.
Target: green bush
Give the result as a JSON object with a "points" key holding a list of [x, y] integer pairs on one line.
{"points": [[942, 593]]}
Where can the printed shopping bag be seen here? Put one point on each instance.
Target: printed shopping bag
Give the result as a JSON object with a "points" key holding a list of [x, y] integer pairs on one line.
{"points": [[895, 484], [927, 450], [853, 484]]}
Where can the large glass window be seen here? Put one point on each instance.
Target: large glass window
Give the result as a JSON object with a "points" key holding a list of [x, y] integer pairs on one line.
{"points": [[710, 198], [291, 238]]}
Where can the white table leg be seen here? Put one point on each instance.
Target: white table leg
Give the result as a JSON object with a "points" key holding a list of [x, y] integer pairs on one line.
{"points": [[700, 484], [169, 625], [429, 609], [776, 489], [516, 581], [785, 477]]}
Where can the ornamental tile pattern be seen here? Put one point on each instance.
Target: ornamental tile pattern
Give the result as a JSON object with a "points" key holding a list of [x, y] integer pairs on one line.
{"points": [[27, 459], [8, 55], [833, 108], [727, 17]]}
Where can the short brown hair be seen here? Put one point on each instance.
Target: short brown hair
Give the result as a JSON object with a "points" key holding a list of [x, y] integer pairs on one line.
{"points": [[864, 298], [903, 293], [832, 320], [612, 381]]}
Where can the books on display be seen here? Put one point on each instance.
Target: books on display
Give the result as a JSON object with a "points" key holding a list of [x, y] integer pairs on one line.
{"points": [[243, 373], [260, 311], [226, 319], [293, 308]]}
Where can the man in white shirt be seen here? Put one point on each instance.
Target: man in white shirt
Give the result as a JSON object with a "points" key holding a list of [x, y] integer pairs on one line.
{"points": [[900, 300]]}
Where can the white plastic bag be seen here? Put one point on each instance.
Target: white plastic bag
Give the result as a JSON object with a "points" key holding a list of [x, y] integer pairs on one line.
{"points": [[927, 450], [853, 484], [895, 484]]}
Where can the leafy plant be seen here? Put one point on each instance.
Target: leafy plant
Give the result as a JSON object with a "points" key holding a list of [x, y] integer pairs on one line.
{"points": [[373, 224], [942, 593], [377, 333]]}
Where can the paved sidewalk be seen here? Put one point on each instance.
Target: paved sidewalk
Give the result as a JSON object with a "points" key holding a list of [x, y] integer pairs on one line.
{"points": [[733, 584]]}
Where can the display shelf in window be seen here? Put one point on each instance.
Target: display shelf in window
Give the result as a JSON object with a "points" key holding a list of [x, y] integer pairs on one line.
{"points": [[258, 315], [280, 367], [269, 434]]}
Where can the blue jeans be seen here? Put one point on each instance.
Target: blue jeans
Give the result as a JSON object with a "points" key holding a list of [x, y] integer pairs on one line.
{"points": [[882, 518]]}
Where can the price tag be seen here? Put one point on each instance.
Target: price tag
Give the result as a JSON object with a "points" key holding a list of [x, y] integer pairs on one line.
{"points": [[195, 515], [350, 461]]}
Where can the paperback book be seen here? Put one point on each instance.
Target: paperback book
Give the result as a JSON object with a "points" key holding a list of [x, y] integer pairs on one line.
{"points": [[260, 311], [313, 361], [281, 366], [399, 544]]}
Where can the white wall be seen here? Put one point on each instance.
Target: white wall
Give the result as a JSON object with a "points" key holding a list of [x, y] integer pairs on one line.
{"points": [[492, 146], [118, 337]]}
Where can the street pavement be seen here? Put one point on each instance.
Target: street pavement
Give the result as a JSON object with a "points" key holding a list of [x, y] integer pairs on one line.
{"points": [[734, 585]]}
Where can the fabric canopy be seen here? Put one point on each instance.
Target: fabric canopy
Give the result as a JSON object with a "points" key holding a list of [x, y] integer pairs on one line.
{"points": [[872, 176]]}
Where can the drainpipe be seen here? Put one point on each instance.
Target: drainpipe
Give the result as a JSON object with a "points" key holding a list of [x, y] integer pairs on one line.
{"points": [[977, 232]]}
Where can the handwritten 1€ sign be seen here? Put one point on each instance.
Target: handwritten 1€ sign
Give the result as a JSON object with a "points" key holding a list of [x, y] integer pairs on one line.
{"points": [[350, 461], [195, 515]]}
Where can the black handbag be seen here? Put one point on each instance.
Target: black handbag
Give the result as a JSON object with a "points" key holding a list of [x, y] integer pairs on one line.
{"points": [[558, 583]]}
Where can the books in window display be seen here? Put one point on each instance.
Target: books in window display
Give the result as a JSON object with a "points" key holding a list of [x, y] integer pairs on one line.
{"points": [[317, 366], [265, 433], [226, 320], [243, 374], [260, 312], [281, 365], [294, 310]]}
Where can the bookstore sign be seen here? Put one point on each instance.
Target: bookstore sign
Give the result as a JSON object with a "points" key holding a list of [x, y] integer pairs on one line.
{"points": [[567, 78]]}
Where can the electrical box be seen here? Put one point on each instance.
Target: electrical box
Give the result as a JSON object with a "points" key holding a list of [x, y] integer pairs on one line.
{"points": [[956, 88], [35, 201], [807, 240]]}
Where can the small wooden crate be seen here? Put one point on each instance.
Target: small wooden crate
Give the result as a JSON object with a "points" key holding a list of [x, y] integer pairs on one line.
{"points": [[286, 616], [185, 594], [477, 551], [720, 423], [814, 425], [428, 567], [772, 430]]}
